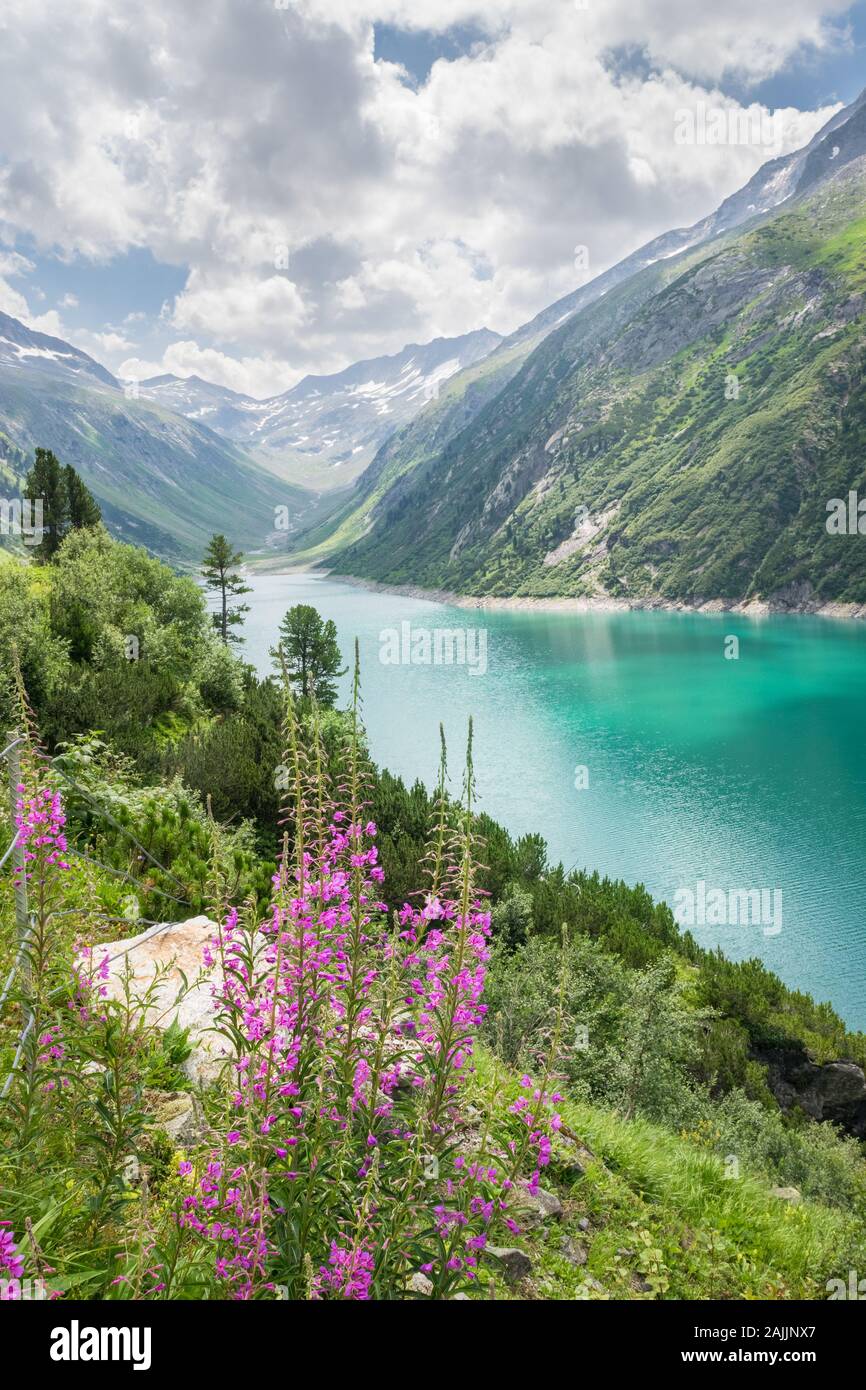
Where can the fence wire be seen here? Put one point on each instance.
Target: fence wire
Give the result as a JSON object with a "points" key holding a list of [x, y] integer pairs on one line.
{"points": [[154, 926]]}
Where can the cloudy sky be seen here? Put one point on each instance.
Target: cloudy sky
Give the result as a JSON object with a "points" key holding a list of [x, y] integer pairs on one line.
{"points": [[252, 190]]}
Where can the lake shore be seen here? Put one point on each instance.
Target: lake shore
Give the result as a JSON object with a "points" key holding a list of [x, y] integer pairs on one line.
{"points": [[712, 607]]}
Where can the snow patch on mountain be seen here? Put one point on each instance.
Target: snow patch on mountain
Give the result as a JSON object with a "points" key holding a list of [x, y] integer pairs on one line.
{"points": [[329, 426]]}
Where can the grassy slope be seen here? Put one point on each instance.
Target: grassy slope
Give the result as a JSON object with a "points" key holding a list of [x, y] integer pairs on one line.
{"points": [[665, 1221]]}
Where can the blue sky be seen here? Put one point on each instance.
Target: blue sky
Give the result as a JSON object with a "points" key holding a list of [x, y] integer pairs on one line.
{"points": [[426, 180], [417, 51], [811, 79], [817, 79]]}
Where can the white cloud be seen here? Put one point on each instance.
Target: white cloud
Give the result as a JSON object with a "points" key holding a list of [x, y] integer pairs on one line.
{"points": [[11, 263], [100, 345], [243, 309], [252, 376], [14, 303], [217, 131]]}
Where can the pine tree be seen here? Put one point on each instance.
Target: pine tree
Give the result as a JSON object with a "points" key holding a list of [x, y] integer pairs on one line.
{"points": [[219, 563], [308, 646], [83, 506], [46, 483]]}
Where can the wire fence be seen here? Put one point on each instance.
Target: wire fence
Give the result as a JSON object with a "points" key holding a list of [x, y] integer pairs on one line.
{"points": [[11, 756]]}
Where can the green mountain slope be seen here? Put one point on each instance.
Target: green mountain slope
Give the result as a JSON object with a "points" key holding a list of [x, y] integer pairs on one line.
{"points": [[162, 481], [678, 440], [459, 402]]}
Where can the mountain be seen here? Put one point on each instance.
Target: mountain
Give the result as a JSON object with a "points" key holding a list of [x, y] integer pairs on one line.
{"points": [[676, 437], [161, 480], [26, 354], [325, 430], [775, 181], [223, 411], [469, 391]]}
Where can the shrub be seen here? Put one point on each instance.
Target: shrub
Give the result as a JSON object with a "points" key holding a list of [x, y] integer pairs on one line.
{"points": [[339, 1162]]}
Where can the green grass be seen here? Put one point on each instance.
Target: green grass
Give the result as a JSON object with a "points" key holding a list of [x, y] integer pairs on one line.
{"points": [[665, 1222]]}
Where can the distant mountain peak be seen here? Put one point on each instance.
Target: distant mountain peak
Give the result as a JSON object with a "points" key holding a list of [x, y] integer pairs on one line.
{"points": [[21, 345], [326, 429]]}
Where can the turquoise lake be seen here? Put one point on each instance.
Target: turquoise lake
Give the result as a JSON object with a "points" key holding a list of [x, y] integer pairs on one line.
{"points": [[743, 774]]}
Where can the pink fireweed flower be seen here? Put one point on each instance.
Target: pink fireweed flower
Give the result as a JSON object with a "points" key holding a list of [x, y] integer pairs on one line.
{"points": [[11, 1263], [39, 821], [348, 1274], [302, 991]]}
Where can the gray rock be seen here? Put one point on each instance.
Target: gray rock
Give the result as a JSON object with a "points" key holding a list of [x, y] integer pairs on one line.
{"points": [[419, 1283], [179, 1115], [834, 1091], [573, 1251], [787, 1194], [515, 1263], [583, 1224], [166, 964], [532, 1209]]}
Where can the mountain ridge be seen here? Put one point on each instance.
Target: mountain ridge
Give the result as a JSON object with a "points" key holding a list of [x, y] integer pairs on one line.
{"points": [[490, 510], [131, 454], [326, 429]]}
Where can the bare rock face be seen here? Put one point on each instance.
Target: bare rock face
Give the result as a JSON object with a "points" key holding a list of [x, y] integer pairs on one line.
{"points": [[834, 1091], [170, 952]]}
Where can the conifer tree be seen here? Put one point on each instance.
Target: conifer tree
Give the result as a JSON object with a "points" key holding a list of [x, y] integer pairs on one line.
{"points": [[220, 562], [46, 484], [83, 507], [308, 647]]}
